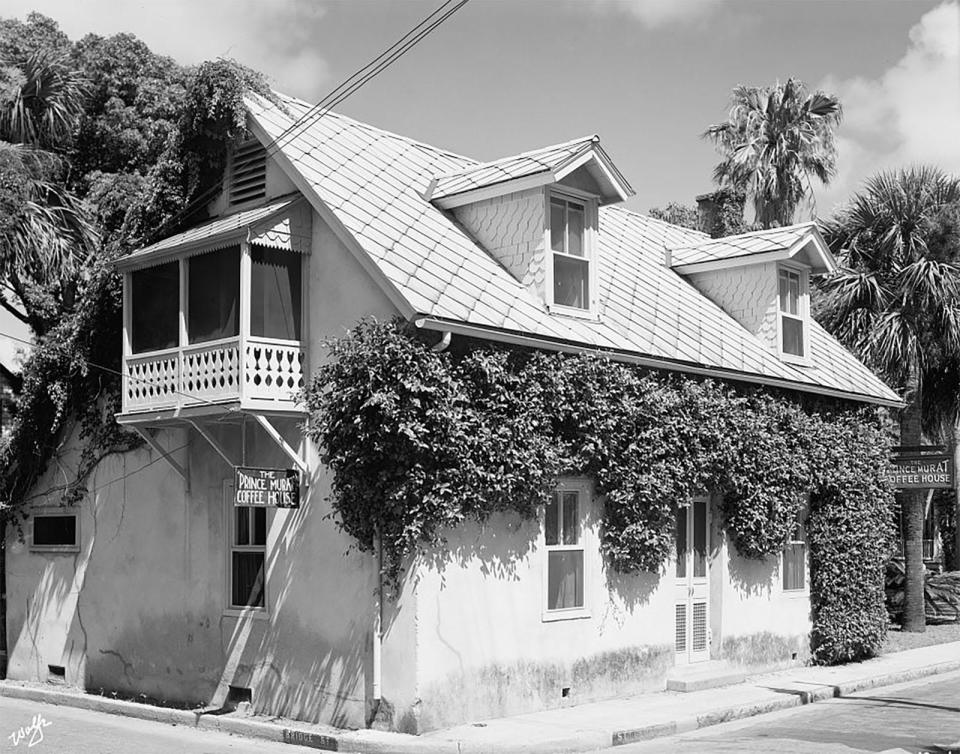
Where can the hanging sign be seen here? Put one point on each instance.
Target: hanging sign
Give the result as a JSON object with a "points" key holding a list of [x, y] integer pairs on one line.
{"points": [[273, 488], [922, 472]]}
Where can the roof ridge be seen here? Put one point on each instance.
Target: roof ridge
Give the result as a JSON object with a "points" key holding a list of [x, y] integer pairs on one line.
{"points": [[648, 218], [480, 165], [383, 131], [750, 233]]}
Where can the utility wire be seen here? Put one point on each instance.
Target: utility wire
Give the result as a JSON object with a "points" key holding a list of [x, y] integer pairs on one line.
{"points": [[345, 89], [379, 64]]}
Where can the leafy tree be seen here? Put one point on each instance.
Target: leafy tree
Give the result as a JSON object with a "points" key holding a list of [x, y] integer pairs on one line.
{"points": [[677, 214], [774, 139], [896, 303]]}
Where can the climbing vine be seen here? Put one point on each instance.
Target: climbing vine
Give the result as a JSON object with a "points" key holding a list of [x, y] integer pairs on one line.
{"points": [[73, 372], [419, 441]]}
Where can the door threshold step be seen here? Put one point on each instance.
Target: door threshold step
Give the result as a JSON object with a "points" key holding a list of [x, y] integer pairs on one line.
{"points": [[707, 675]]}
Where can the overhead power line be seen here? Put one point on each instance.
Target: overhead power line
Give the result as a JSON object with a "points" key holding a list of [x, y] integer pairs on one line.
{"points": [[345, 89]]}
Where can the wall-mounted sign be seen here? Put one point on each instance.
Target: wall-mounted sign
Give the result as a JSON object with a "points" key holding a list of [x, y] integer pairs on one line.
{"points": [[922, 472], [275, 488]]}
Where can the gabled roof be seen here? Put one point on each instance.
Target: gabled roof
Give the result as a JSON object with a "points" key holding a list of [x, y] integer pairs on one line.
{"points": [[537, 168], [369, 186], [218, 233], [801, 241]]}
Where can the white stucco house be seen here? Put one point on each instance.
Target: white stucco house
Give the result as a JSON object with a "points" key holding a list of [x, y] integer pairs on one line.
{"points": [[163, 583]]}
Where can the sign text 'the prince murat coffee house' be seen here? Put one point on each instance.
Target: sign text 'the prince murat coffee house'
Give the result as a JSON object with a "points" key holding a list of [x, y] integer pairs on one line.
{"points": [[272, 488]]}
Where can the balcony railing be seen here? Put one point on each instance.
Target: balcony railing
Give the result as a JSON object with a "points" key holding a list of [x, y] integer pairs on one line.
{"points": [[255, 371]]}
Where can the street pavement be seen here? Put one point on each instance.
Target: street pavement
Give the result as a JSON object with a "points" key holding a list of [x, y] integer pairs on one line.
{"points": [[919, 716], [54, 729]]}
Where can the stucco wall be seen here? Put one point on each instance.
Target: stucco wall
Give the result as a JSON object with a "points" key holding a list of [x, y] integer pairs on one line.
{"points": [[753, 621], [748, 294], [511, 228], [485, 650], [141, 609]]}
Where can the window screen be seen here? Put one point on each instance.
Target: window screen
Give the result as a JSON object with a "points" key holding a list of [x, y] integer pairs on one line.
{"points": [[155, 307], [275, 293], [214, 295]]}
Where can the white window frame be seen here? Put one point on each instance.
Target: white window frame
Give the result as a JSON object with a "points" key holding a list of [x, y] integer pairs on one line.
{"points": [[229, 521], [586, 545], [801, 526], [590, 220], [56, 511], [803, 315]]}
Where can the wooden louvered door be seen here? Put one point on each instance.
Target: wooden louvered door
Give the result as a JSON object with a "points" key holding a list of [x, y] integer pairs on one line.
{"points": [[693, 586]]}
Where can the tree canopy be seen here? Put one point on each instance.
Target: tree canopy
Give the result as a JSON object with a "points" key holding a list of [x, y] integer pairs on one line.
{"points": [[775, 139]]}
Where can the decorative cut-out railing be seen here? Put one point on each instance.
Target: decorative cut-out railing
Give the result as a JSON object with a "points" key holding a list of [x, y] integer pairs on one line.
{"points": [[253, 371]]}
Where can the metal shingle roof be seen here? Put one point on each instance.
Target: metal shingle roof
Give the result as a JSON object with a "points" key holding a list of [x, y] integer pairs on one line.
{"points": [[744, 244], [209, 231], [542, 160], [374, 183]]}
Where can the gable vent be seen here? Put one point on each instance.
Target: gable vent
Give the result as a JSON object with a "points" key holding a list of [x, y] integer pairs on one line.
{"points": [[248, 174]]}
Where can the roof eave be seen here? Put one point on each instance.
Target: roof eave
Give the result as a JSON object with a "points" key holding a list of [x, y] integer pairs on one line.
{"points": [[430, 322]]}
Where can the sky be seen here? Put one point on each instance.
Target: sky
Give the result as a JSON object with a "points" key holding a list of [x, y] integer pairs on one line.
{"points": [[647, 76]]}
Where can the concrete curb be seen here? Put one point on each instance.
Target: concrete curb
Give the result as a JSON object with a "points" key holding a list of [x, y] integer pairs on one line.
{"points": [[326, 738], [691, 723]]}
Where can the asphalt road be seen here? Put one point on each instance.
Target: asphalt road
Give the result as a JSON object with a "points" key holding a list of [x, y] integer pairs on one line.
{"points": [[920, 716], [71, 731]]}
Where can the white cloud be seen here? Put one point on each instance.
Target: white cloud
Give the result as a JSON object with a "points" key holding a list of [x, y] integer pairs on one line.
{"points": [[276, 38], [909, 114], [656, 13]]}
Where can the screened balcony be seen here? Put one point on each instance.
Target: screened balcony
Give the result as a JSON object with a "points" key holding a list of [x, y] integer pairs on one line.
{"points": [[214, 328]]}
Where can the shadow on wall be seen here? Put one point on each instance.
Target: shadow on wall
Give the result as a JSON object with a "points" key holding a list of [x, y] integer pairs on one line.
{"points": [[295, 669], [751, 577], [498, 545]]}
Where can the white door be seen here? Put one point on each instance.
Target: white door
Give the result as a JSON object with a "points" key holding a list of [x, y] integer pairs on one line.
{"points": [[693, 587]]}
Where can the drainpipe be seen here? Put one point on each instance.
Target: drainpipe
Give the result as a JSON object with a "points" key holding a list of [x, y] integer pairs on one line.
{"points": [[443, 343], [378, 623]]}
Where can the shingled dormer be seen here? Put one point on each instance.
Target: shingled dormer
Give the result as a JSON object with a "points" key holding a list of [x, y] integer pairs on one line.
{"points": [[536, 213], [761, 279]]}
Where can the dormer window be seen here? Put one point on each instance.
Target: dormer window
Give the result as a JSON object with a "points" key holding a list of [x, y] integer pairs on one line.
{"points": [[570, 220], [794, 309]]}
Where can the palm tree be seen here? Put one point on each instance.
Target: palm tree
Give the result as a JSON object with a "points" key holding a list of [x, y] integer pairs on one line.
{"points": [[44, 235], [896, 302], [773, 140]]}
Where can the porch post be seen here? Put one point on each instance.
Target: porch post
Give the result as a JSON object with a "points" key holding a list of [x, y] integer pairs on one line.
{"points": [[246, 276], [184, 314]]}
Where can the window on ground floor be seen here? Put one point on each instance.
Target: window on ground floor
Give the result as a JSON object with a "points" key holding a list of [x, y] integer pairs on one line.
{"points": [[564, 543], [248, 556], [795, 560]]}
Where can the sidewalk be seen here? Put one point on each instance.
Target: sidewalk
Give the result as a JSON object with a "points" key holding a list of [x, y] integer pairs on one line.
{"points": [[586, 727]]}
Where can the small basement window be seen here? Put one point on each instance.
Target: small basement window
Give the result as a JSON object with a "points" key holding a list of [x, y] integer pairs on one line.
{"points": [[155, 307], [54, 532]]}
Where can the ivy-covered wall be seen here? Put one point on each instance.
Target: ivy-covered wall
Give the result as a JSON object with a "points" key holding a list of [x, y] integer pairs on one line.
{"points": [[420, 441]]}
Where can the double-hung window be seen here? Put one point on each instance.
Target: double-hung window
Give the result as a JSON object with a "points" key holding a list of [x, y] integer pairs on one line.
{"points": [[569, 220], [795, 560], [563, 537], [248, 545], [793, 309]]}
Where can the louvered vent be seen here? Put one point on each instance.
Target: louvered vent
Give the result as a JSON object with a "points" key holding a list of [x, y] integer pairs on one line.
{"points": [[699, 626], [248, 174], [681, 641]]}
